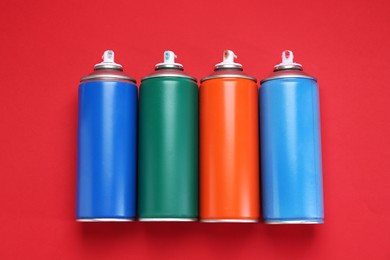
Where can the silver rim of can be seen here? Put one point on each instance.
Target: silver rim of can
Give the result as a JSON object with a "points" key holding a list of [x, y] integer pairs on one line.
{"points": [[295, 221], [107, 76], [294, 66], [228, 66], [229, 220], [114, 66], [287, 76], [168, 75], [105, 219], [230, 76], [169, 66], [167, 219]]}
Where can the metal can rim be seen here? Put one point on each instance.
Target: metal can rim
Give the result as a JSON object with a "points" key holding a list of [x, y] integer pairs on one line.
{"points": [[168, 75], [107, 76], [287, 76], [108, 66], [228, 76]]}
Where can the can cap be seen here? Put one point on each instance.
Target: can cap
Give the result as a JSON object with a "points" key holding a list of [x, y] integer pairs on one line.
{"points": [[228, 68], [288, 69], [169, 68], [108, 70], [228, 61], [108, 61], [288, 62], [169, 62]]}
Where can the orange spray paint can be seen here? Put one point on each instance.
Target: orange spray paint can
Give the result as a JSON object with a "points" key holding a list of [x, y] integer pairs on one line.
{"points": [[229, 144]]}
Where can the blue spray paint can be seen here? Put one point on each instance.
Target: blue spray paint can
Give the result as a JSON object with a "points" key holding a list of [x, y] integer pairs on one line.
{"points": [[290, 146], [106, 166]]}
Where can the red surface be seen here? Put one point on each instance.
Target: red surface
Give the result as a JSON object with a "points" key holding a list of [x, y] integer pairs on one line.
{"points": [[46, 46]]}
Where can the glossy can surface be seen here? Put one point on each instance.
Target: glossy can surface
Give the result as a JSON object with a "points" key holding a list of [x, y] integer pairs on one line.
{"points": [[106, 150], [229, 149], [168, 149], [291, 150]]}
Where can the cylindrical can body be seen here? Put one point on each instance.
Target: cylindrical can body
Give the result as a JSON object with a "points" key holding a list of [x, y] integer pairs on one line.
{"points": [[168, 149], [106, 166], [229, 150], [291, 150]]}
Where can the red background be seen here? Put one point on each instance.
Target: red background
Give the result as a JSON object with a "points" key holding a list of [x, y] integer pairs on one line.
{"points": [[47, 46]]}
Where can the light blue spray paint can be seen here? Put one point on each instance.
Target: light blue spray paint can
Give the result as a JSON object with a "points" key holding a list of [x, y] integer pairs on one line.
{"points": [[290, 146]]}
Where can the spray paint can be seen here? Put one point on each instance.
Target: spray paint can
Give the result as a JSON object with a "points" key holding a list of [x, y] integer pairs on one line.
{"points": [[290, 146], [229, 146], [168, 144], [107, 125]]}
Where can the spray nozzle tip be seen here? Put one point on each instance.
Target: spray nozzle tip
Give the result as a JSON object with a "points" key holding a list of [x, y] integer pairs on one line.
{"points": [[228, 60], [108, 56], [108, 61], [169, 61], [287, 57], [169, 57], [288, 62], [229, 56]]}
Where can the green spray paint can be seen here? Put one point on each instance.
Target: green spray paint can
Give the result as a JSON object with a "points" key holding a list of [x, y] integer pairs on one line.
{"points": [[168, 144]]}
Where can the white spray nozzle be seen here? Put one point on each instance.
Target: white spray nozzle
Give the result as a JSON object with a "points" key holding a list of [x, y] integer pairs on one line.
{"points": [[108, 61], [287, 57], [108, 56], [169, 57], [229, 56], [288, 61], [169, 61], [228, 60]]}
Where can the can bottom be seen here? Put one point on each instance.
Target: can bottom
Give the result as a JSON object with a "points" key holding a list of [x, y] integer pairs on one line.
{"points": [[294, 221], [104, 219], [229, 220], [167, 219]]}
